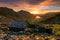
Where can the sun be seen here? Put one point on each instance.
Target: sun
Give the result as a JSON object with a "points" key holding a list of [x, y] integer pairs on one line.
{"points": [[34, 11]]}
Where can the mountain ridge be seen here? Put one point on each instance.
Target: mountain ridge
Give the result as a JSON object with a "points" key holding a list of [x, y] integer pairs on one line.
{"points": [[52, 20], [24, 15]]}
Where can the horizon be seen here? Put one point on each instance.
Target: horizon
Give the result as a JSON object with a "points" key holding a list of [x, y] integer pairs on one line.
{"points": [[32, 12]]}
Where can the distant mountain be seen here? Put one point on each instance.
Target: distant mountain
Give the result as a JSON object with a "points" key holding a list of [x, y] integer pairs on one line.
{"points": [[51, 18], [7, 12], [7, 15], [25, 16]]}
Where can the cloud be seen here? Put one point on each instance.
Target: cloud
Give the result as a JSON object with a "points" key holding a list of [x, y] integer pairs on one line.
{"points": [[22, 1], [34, 1], [27, 4], [30, 1], [56, 2], [9, 0]]}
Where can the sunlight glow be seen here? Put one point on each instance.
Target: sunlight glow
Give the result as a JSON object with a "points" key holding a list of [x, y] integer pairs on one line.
{"points": [[38, 17], [34, 11]]}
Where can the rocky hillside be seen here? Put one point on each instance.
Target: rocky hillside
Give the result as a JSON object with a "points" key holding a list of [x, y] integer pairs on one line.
{"points": [[54, 18], [7, 15]]}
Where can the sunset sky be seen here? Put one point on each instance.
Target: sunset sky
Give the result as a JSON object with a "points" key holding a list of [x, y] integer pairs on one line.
{"points": [[37, 6]]}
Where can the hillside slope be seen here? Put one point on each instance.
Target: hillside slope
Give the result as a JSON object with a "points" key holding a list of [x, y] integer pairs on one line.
{"points": [[52, 18]]}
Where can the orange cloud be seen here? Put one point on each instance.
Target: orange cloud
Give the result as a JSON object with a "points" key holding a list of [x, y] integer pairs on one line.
{"points": [[28, 6]]}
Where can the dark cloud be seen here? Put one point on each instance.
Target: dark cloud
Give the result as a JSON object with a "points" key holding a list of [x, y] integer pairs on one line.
{"points": [[34, 1], [56, 0], [8, 0], [28, 1]]}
